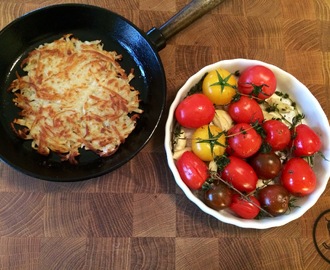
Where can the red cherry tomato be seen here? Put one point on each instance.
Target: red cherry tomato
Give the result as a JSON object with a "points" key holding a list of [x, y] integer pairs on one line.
{"points": [[298, 177], [195, 111], [243, 140], [247, 209], [278, 134], [240, 174], [193, 171], [258, 81], [245, 110], [306, 142]]}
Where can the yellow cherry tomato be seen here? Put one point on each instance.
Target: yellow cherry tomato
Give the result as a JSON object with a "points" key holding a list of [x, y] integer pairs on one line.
{"points": [[219, 86], [208, 142]]}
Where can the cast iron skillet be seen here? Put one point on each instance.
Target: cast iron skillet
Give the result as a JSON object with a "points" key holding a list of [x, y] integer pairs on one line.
{"points": [[139, 50]]}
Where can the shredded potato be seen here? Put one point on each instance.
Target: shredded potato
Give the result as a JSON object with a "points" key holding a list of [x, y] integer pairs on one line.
{"points": [[75, 95]]}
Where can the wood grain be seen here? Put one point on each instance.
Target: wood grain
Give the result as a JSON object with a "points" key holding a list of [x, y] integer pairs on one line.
{"points": [[137, 217]]}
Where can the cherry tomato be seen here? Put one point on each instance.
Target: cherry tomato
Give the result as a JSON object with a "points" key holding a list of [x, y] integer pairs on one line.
{"points": [[306, 142], [274, 199], [245, 110], [278, 134], [243, 140], [208, 142], [247, 209], [218, 197], [266, 165], [193, 171], [298, 177], [258, 81], [219, 86], [195, 111], [239, 174]]}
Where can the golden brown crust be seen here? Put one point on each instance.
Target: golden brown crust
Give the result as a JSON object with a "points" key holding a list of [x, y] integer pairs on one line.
{"points": [[75, 95]]}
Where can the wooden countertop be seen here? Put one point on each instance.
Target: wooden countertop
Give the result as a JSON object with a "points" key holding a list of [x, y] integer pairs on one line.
{"points": [[136, 217]]}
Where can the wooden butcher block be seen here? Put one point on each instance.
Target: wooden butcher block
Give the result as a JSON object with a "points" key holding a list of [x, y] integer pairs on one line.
{"points": [[136, 217]]}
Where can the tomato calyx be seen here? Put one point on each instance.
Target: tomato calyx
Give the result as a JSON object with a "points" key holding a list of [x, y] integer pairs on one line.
{"points": [[212, 139], [257, 89], [223, 82]]}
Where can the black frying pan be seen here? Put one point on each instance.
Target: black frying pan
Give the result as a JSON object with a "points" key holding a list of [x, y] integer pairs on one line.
{"points": [[139, 50]]}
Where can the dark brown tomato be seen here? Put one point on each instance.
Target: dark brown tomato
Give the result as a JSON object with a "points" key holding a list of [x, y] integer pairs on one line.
{"points": [[274, 199], [266, 165], [218, 197]]}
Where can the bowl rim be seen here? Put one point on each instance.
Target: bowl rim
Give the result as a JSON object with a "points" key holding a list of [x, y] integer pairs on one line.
{"points": [[223, 215]]}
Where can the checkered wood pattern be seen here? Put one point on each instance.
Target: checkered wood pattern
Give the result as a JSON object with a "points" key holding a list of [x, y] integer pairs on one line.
{"points": [[136, 217]]}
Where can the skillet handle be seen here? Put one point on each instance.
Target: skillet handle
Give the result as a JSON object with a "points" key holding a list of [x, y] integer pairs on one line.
{"points": [[190, 13]]}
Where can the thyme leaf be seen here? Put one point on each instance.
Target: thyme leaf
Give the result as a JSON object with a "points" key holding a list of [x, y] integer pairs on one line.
{"points": [[197, 88]]}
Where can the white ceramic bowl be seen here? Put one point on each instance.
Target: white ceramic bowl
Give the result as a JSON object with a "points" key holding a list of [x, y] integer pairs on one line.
{"points": [[315, 118]]}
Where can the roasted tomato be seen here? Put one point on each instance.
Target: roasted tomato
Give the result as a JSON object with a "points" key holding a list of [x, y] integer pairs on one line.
{"points": [[218, 197], [278, 135], [274, 199], [305, 142], [266, 165], [208, 142], [195, 111], [193, 171], [239, 174], [244, 208], [243, 140], [219, 86], [258, 81], [245, 110], [298, 177]]}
